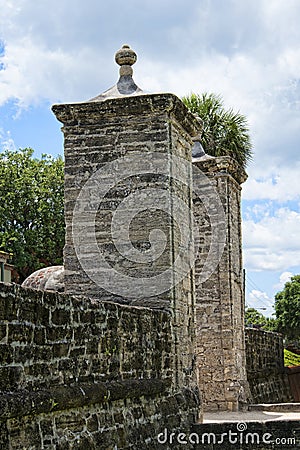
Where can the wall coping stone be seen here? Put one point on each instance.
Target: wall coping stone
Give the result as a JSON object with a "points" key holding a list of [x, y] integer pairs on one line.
{"points": [[89, 113], [59, 398], [261, 331], [222, 166]]}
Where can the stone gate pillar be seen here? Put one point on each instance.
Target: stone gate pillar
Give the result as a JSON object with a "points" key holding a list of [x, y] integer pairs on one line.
{"points": [[220, 299], [128, 202]]}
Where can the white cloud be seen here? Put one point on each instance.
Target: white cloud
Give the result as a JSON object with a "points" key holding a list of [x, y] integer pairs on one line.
{"points": [[258, 296], [40, 73], [260, 301], [283, 278], [280, 184], [273, 243], [6, 141]]}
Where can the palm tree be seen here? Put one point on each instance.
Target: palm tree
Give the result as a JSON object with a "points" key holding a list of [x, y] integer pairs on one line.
{"points": [[225, 133]]}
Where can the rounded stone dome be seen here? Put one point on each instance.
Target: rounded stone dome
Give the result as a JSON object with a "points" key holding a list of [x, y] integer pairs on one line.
{"points": [[46, 279]]}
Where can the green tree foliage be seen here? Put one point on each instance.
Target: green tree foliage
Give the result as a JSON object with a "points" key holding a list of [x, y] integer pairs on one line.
{"points": [[254, 317], [31, 209], [287, 308], [225, 132]]}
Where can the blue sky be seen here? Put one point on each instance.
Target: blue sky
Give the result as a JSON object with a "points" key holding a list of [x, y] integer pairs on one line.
{"points": [[248, 51]]}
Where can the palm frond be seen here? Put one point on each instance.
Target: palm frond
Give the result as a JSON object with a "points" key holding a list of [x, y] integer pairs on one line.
{"points": [[225, 132]]}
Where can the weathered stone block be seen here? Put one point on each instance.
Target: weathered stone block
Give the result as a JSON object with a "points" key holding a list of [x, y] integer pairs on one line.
{"points": [[10, 377], [60, 316], [20, 332]]}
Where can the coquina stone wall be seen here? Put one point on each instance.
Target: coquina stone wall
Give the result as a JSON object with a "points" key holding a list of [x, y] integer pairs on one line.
{"points": [[265, 367], [219, 299], [79, 374]]}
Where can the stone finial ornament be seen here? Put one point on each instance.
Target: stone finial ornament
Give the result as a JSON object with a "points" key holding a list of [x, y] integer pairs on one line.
{"points": [[125, 57], [126, 86]]}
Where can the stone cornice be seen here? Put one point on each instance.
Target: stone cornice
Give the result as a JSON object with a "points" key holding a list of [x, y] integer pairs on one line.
{"points": [[89, 113], [222, 165]]}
